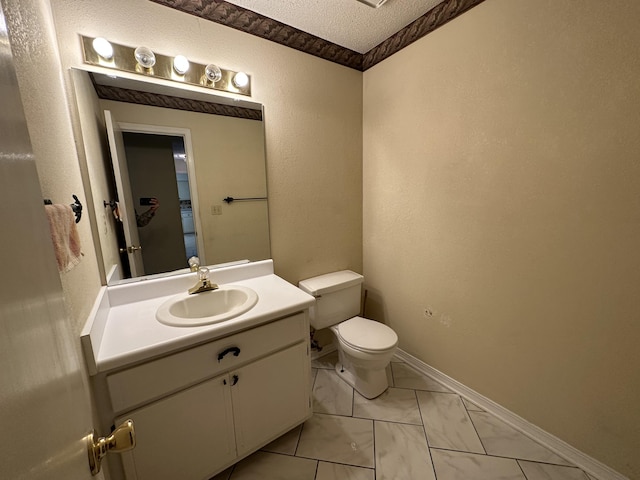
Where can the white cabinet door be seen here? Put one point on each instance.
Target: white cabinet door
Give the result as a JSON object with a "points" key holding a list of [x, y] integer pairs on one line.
{"points": [[270, 396], [185, 436]]}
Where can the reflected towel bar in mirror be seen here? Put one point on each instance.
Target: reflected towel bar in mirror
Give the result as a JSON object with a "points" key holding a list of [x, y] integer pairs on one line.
{"points": [[248, 199]]}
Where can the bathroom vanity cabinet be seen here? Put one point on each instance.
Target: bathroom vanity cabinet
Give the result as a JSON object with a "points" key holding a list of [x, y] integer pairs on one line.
{"points": [[200, 410], [201, 397]]}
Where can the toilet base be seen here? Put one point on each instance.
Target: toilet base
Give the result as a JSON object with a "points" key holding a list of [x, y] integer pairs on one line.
{"points": [[368, 383]]}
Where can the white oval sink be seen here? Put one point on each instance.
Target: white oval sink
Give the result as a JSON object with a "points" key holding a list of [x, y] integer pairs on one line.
{"points": [[204, 308]]}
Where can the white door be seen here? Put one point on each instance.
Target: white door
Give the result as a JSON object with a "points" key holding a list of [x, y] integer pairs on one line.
{"points": [[125, 199], [44, 399]]}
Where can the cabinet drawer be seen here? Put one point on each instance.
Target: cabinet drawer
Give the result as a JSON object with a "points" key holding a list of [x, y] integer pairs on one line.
{"points": [[140, 384]]}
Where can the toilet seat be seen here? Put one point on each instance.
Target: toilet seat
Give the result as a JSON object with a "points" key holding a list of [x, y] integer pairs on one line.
{"points": [[366, 335]]}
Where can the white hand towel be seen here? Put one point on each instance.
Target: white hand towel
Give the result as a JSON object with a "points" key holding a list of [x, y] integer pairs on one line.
{"points": [[64, 235]]}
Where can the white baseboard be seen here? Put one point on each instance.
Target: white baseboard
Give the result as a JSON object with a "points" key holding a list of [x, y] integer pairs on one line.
{"points": [[589, 464]]}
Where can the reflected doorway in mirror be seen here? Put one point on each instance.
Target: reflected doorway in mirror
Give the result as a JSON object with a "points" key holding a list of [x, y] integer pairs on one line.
{"points": [[228, 156], [158, 176]]}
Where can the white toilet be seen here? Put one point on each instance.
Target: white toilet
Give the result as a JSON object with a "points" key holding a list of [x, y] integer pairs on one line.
{"points": [[365, 347]]}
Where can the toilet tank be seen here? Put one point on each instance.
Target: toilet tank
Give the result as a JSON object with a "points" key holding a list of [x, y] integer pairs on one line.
{"points": [[337, 297]]}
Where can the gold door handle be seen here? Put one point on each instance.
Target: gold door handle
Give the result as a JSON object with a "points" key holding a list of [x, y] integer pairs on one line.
{"points": [[131, 249], [121, 439]]}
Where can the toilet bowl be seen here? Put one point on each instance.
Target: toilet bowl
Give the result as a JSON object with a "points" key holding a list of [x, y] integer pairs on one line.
{"points": [[365, 347]]}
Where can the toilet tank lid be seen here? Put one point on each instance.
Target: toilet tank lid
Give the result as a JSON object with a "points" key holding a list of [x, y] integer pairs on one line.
{"points": [[330, 282]]}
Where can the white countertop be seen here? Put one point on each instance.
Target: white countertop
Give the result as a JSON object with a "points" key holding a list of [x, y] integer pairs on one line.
{"points": [[126, 331]]}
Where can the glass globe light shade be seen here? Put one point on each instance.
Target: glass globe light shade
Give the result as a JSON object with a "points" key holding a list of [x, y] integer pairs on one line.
{"points": [[103, 48], [145, 57], [180, 64], [241, 79], [213, 73]]}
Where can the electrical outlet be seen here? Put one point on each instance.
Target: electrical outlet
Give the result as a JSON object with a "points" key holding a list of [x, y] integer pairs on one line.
{"points": [[216, 209]]}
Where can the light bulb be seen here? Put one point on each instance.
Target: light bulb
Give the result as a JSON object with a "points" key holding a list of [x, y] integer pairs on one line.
{"points": [[180, 64], [213, 73], [145, 57], [241, 79], [103, 48]]}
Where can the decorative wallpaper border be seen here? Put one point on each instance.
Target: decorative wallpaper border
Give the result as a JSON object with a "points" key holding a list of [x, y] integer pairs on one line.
{"points": [[427, 23], [250, 22], [167, 101]]}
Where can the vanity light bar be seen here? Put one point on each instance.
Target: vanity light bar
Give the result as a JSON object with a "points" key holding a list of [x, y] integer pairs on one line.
{"points": [[123, 58]]}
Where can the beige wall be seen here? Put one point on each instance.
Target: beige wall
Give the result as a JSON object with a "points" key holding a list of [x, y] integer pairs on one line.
{"points": [[501, 190], [313, 111], [229, 160]]}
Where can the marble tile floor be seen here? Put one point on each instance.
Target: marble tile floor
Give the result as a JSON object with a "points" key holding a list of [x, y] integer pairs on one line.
{"points": [[416, 430]]}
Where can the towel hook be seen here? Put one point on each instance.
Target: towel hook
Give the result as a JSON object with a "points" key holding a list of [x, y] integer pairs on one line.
{"points": [[77, 208]]}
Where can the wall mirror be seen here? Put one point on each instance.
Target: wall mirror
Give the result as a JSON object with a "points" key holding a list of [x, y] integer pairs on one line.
{"points": [[171, 173]]}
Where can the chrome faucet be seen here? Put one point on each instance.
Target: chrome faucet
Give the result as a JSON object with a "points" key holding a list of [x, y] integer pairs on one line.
{"points": [[204, 284]]}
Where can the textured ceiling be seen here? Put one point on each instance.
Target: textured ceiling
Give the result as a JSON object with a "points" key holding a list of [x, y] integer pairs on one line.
{"points": [[347, 23]]}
